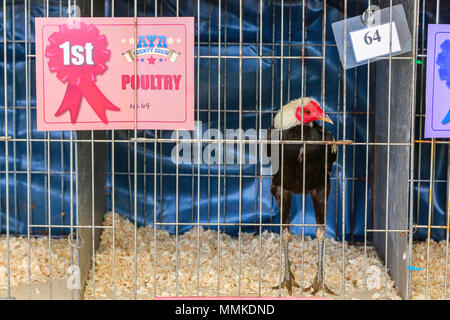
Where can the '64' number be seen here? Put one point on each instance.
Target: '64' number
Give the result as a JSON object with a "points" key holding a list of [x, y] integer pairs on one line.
{"points": [[368, 39]]}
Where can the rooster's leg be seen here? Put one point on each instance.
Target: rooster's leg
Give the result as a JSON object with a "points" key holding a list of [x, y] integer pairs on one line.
{"points": [[288, 279], [319, 208], [319, 281]]}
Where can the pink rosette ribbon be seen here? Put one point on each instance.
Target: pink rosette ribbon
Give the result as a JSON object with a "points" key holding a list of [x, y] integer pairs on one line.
{"points": [[80, 78]]}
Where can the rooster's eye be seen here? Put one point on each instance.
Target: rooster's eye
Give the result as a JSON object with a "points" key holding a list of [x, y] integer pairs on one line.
{"points": [[307, 111]]}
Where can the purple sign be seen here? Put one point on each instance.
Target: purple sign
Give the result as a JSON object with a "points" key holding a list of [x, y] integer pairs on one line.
{"points": [[437, 117]]}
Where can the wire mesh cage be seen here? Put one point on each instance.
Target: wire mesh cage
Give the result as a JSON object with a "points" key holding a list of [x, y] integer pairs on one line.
{"points": [[149, 213]]}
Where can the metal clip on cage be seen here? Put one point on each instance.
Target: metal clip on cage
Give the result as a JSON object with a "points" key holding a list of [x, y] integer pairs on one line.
{"points": [[368, 16]]}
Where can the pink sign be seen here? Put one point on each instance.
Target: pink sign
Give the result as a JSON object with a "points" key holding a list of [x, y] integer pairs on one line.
{"points": [[99, 74]]}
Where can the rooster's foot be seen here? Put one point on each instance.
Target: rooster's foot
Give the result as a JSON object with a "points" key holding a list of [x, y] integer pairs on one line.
{"points": [[288, 283], [317, 286]]}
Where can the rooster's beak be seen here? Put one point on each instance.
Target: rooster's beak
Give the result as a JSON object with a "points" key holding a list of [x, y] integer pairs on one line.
{"points": [[326, 118]]}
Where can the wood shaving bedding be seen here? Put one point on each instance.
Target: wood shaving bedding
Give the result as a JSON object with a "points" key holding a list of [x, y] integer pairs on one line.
{"points": [[38, 262], [198, 264], [188, 260], [436, 270]]}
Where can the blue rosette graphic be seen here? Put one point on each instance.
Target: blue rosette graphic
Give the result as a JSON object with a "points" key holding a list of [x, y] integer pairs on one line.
{"points": [[443, 60]]}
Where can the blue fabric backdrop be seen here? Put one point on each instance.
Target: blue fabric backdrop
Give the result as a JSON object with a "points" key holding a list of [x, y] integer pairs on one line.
{"points": [[233, 199]]}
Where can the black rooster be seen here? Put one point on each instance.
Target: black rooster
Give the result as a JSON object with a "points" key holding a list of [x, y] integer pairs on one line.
{"points": [[315, 161]]}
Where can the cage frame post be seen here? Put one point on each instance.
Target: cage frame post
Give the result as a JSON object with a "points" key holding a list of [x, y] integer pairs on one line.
{"points": [[395, 102], [91, 179], [91, 173]]}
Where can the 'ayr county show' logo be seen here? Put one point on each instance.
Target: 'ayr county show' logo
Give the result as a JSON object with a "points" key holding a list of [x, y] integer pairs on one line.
{"points": [[152, 45]]}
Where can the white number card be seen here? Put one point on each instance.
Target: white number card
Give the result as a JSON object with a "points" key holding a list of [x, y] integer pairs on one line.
{"points": [[374, 42]]}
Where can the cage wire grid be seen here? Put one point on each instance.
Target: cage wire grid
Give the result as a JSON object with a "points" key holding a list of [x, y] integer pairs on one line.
{"points": [[64, 144]]}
